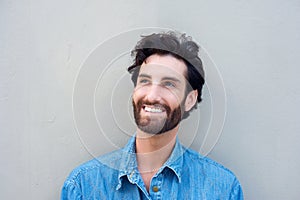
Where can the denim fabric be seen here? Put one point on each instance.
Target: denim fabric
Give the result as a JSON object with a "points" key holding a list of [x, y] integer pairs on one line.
{"points": [[185, 175]]}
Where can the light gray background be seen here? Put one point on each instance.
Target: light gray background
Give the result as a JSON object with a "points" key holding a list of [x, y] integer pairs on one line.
{"points": [[255, 45]]}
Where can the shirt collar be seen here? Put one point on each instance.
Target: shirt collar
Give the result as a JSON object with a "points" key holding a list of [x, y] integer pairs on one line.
{"points": [[129, 168], [175, 161]]}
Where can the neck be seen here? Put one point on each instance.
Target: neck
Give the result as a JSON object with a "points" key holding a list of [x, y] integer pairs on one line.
{"points": [[154, 150]]}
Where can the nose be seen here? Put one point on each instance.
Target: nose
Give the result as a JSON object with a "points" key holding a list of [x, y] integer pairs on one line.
{"points": [[154, 93]]}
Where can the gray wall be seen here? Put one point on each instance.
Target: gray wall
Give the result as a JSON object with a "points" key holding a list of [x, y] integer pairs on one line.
{"points": [[255, 45]]}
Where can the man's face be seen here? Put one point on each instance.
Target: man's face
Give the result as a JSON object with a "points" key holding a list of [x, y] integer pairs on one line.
{"points": [[159, 95]]}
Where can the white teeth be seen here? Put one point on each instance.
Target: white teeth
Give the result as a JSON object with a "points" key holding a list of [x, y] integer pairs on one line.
{"points": [[154, 110]]}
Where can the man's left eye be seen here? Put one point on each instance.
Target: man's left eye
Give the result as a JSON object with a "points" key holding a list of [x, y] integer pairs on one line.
{"points": [[169, 84]]}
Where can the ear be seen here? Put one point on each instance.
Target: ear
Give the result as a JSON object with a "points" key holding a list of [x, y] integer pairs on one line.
{"points": [[190, 100]]}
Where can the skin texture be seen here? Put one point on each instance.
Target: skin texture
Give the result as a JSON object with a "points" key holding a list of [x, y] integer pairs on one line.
{"points": [[159, 99]]}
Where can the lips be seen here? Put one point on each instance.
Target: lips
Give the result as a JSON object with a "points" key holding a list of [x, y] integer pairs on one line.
{"points": [[154, 108], [148, 107]]}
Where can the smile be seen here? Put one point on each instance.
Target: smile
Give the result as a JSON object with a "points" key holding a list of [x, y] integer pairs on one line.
{"points": [[153, 109]]}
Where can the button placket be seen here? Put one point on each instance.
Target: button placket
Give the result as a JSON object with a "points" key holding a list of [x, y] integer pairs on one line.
{"points": [[155, 187]]}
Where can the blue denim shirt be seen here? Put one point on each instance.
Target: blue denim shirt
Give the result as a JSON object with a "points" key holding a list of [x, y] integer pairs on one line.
{"points": [[185, 175]]}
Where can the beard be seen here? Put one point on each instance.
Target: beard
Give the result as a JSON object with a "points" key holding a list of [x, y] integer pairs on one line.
{"points": [[157, 124]]}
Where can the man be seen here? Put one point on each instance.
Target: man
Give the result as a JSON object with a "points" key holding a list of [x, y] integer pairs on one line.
{"points": [[168, 77]]}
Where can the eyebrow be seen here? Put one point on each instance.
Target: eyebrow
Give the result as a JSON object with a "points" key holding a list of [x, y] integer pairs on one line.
{"points": [[164, 78], [144, 76], [172, 79]]}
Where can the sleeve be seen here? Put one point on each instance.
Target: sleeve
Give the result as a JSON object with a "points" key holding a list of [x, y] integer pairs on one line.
{"points": [[70, 191], [236, 192]]}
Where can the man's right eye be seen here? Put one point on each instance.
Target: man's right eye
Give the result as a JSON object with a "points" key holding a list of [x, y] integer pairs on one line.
{"points": [[143, 81]]}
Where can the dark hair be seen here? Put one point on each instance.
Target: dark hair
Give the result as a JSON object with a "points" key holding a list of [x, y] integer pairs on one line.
{"points": [[171, 43]]}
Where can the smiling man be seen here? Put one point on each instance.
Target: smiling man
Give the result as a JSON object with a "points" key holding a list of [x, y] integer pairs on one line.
{"points": [[168, 77]]}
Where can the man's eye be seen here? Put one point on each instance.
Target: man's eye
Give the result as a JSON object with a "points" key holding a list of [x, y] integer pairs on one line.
{"points": [[143, 81], [169, 84]]}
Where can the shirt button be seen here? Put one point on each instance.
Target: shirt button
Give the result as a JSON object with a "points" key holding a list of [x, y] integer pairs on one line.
{"points": [[155, 189]]}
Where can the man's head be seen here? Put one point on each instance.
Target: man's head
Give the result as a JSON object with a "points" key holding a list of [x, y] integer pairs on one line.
{"points": [[168, 78]]}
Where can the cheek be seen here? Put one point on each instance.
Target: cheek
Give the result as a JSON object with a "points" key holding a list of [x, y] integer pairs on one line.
{"points": [[175, 102], [175, 97], [138, 93]]}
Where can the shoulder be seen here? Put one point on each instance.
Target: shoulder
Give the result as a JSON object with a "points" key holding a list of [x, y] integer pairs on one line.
{"points": [[211, 175], [107, 163], [206, 165], [91, 177]]}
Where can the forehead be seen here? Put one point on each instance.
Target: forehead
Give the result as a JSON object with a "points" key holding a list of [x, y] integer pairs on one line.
{"points": [[164, 65]]}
